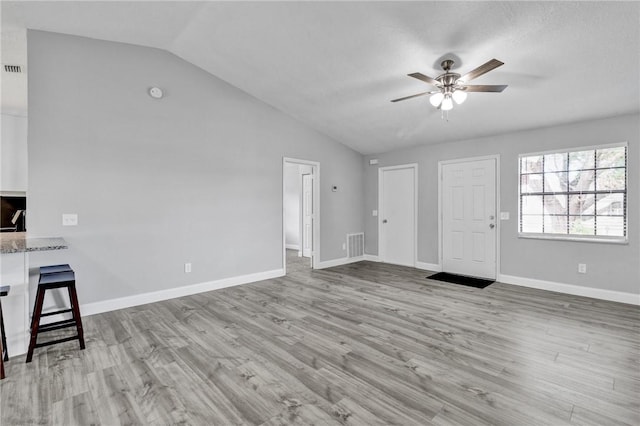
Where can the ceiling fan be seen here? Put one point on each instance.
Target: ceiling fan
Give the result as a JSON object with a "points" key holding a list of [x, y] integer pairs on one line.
{"points": [[453, 86]]}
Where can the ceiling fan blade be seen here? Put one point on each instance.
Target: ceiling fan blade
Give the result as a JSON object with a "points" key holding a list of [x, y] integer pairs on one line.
{"points": [[484, 88], [425, 78], [414, 96], [482, 69]]}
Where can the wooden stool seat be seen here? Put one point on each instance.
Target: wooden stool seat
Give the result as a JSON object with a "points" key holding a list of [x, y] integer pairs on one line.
{"points": [[4, 352], [55, 268], [52, 277]]}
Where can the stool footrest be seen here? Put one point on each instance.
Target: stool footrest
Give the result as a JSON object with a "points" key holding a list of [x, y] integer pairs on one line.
{"points": [[57, 325], [53, 342], [63, 311]]}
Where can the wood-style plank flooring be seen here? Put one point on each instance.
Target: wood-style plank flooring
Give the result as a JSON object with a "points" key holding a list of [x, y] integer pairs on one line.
{"points": [[360, 344]]}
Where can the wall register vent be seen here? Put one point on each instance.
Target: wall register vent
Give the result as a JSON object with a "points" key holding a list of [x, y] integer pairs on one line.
{"points": [[355, 245], [13, 68]]}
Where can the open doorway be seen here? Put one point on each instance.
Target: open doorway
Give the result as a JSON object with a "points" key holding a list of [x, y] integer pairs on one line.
{"points": [[299, 220]]}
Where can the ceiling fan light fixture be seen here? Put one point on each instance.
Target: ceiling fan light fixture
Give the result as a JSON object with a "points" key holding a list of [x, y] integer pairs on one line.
{"points": [[436, 99], [447, 103], [459, 96]]}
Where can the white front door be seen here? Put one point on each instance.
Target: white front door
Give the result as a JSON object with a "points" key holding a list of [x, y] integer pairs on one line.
{"points": [[397, 215], [307, 215], [468, 192]]}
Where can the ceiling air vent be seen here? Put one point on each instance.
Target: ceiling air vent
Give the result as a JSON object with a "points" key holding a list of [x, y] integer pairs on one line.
{"points": [[13, 68]]}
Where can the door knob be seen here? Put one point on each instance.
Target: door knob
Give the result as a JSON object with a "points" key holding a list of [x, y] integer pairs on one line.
{"points": [[491, 225], [384, 221]]}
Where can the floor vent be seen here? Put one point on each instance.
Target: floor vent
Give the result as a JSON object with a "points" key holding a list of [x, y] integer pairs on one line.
{"points": [[13, 68], [355, 245]]}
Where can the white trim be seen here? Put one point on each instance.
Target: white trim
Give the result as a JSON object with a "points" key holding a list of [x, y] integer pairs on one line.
{"points": [[429, 266], [495, 157], [337, 262], [94, 308], [576, 290], [172, 293], [13, 193], [295, 247], [572, 237], [371, 257], [606, 239], [381, 170], [315, 171], [576, 149]]}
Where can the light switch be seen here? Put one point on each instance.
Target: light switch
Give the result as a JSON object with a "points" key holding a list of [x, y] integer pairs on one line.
{"points": [[374, 213], [504, 215], [69, 219]]}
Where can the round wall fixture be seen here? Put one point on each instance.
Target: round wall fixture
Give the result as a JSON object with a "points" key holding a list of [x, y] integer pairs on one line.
{"points": [[155, 92]]}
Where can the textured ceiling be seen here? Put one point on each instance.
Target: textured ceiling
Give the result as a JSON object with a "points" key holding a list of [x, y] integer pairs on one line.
{"points": [[335, 66]]}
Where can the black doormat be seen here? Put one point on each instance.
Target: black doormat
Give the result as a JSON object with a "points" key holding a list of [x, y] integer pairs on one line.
{"points": [[461, 279]]}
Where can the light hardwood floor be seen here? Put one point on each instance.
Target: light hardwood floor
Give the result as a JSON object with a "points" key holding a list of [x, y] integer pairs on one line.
{"points": [[360, 344]]}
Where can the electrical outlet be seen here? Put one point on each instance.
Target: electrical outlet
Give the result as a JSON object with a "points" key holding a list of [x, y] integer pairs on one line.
{"points": [[582, 268], [187, 268], [69, 219]]}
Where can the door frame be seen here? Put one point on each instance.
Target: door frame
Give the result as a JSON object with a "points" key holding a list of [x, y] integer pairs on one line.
{"points": [[302, 206], [496, 158], [381, 171], [315, 250]]}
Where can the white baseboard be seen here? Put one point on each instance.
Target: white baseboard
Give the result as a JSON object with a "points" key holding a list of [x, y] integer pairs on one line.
{"points": [[292, 247], [596, 293], [372, 257], [429, 266], [172, 293], [337, 262], [19, 348]]}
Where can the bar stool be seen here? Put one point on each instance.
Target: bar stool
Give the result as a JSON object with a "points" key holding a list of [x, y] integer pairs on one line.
{"points": [[4, 352], [52, 277]]}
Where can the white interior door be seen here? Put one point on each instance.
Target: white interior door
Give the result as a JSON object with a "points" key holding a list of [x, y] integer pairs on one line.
{"points": [[307, 214], [468, 223], [397, 215]]}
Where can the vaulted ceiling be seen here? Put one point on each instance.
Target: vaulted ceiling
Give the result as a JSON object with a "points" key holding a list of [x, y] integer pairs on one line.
{"points": [[336, 65]]}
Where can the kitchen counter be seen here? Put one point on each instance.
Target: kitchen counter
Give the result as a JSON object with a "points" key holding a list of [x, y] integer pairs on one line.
{"points": [[15, 249], [18, 242]]}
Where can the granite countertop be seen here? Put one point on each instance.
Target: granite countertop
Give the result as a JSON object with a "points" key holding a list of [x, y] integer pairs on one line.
{"points": [[18, 242]]}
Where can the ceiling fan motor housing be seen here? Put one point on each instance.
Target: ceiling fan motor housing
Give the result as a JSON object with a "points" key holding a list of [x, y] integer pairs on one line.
{"points": [[448, 80]]}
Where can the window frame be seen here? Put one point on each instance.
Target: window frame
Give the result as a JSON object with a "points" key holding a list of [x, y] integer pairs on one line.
{"points": [[577, 237]]}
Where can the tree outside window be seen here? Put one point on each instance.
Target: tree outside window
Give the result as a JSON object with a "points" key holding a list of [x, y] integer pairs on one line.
{"points": [[575, 193]]}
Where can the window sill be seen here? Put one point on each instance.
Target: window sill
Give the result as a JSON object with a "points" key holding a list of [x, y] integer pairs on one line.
{"points": [[604, 240]]}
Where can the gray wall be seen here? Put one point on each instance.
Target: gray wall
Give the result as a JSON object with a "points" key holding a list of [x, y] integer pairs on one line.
{"points": [[193, 177], [609, 266], [13, 153]]}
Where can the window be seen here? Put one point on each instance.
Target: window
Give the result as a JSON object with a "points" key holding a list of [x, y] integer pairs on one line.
{"points": [[577, 194]]}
